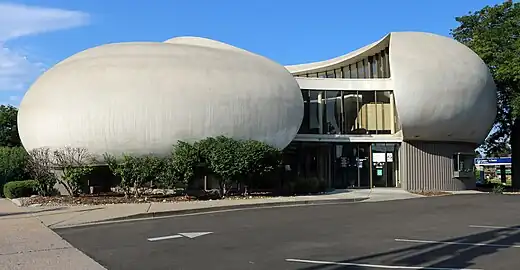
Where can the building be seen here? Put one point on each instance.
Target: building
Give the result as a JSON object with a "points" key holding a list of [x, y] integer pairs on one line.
{"points": [[405, 111]]}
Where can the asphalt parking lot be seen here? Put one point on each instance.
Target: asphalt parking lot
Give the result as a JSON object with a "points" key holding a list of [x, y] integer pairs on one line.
{"points": [[449, 232]]}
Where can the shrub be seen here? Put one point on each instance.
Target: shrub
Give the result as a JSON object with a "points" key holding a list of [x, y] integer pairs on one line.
{"points": [[17, 189], [40, 168], [13, 161], [256, 161], [75, 165], [135, 171]]}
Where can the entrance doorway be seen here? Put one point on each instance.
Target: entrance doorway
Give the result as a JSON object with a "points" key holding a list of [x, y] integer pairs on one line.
{"points": [[384, 160], [351, 166]]}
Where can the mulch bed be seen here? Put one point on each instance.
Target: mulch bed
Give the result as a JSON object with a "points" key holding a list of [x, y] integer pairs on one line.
{"points": [[113, 198]]}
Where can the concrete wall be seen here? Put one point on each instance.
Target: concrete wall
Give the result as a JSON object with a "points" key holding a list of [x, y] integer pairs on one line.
{"points": [[429, 166]]}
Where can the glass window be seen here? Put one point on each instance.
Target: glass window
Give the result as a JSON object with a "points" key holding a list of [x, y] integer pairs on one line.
{"points": [[338, 73], [384, 112], [333, 112], [366, 119], [361, 69], [346, 72], [350, 100], [305, 127], [353, 71], [387, 63], [330, 74], [312, 75], [322, 75], [315, 113]]}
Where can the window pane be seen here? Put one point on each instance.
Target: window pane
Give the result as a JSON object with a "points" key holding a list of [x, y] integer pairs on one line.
{"points": [[330, 74], [350, 110], [332, 110], [354, 71], [338, 73], [384, 113], [305, 127], [314, 112], [322, 75], [367, 112], [312, 75], [361, 70]]}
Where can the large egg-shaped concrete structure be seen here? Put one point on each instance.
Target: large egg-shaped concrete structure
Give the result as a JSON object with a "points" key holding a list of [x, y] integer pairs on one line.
{"points": [[142, 97]]}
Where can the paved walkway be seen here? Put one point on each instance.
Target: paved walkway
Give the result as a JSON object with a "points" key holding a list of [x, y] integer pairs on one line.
{"points": [[56, 217], [27, 244]]}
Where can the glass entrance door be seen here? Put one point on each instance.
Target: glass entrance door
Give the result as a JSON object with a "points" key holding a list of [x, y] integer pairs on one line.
{"points": [[351, 165], [383, 164]]}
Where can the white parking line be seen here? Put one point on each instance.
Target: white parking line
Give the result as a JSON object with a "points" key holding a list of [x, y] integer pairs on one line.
{"points": [[455, 243], [379, 266], [164, 237], [493, 227]]}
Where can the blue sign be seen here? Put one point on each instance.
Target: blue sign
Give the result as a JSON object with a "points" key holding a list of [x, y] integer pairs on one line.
{"points": [[493, 161]]}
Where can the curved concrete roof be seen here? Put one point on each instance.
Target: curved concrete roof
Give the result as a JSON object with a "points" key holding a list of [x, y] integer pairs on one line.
{"points": [[443, 90], [142, 97]]}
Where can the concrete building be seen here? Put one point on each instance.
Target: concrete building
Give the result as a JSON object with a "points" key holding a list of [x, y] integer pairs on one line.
{"points": [[405, 111]]}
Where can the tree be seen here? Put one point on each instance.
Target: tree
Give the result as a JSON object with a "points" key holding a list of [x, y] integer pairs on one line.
{"points": [[74, 163], [493, 33], [13, 162], [8, 126], [40, 167], [256, 160]]}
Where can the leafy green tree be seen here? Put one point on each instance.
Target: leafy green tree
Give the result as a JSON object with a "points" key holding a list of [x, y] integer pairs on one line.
{"points": [[8, 126], [493, 33], [185, 163], [13, 162], [135, 171], [256, 160], [221, 155]]}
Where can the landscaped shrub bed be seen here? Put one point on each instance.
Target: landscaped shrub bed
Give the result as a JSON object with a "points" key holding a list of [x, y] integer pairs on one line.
{"points": [[17, 189]]}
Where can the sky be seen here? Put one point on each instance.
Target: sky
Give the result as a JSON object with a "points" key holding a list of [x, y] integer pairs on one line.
{"points": [[35, 35]]}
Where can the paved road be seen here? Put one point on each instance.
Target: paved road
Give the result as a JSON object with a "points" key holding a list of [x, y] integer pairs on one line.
{"points": [[426, 233]]}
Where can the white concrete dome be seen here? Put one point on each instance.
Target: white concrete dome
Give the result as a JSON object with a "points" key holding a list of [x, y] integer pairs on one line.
{"points": [[141, 98], [443, 90]]}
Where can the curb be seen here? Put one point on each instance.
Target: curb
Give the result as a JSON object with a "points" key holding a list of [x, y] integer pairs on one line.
{"points": [[172, 213], [16, 202]]}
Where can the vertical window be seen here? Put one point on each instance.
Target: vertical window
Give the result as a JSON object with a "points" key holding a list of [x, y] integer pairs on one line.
{"points": [[330, 74], [361, 69], [338, 73], [314, 112], [332, 111], [305, 127], [322, 75], [350, 111], [387, 63]]}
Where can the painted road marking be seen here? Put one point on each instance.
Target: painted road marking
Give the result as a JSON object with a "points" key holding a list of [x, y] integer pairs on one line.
{"points": [[379, 266], [189, 235], [194, 234], [164, 237], [456, 243], [494, 227]]}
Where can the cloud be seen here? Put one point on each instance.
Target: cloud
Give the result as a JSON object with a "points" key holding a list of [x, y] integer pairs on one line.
{"points": [[17, 68]]}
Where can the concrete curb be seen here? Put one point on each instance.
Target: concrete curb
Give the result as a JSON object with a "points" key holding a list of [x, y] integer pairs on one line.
{"points": [[16, 202], [172, 213]]}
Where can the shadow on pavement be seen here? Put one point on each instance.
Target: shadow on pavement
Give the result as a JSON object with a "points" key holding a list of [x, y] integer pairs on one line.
{"points": [[437, 255]]}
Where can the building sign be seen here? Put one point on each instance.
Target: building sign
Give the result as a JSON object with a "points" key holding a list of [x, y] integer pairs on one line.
{"points": [[493, 161]]}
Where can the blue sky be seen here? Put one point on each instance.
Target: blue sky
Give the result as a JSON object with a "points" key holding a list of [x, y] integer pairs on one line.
{"points": [[34, 35]]}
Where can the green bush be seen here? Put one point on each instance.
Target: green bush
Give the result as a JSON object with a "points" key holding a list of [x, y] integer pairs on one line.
{"points": [[13, 161], [135, 171], [17, 189]]}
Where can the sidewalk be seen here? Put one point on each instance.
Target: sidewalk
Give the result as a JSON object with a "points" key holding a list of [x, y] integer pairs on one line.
{"points": [[80, 215], [27, 244]]}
